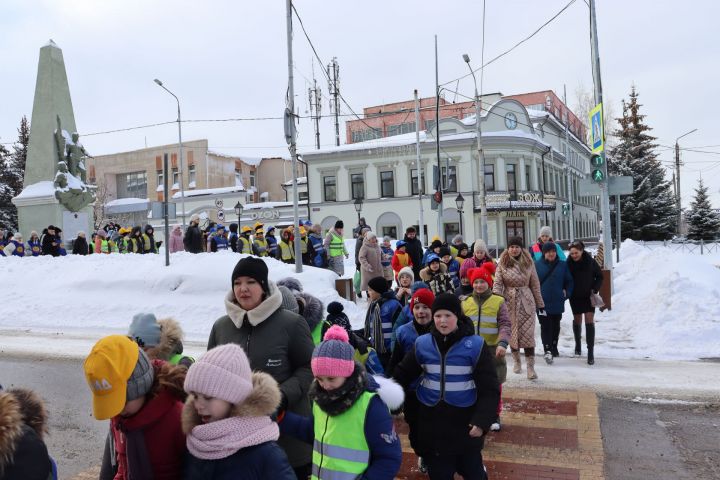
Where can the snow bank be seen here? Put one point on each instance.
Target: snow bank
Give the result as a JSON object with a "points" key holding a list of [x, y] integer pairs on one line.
{"points": [[666, 305], [99, 294]]}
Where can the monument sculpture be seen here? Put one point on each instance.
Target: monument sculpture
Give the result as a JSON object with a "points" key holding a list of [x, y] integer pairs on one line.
{"points": [[55, 191]]}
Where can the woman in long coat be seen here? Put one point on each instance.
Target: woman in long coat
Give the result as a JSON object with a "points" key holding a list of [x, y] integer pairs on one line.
{"points": [[517, 281], [370, 258]]}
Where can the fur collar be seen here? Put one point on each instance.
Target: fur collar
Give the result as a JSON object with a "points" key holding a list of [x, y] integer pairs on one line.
{"points": [[427, 275], [171, 336], [262, 401], [19, 407], [311, 307], [258, 314]]}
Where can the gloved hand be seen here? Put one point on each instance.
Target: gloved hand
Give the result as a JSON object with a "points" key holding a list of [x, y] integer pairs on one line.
{"points": [[541, 312]]}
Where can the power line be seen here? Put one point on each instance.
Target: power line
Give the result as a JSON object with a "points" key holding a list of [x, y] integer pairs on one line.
{"points": [[516, 45]]}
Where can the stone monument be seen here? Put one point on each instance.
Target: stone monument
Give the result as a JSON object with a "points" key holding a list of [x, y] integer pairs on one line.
{"points": [[54, 188]]}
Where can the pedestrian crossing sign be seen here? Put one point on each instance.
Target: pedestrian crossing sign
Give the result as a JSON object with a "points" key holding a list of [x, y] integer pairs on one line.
{"points": [[597, 134]]}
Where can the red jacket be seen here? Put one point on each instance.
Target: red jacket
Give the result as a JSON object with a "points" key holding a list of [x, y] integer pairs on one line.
{"points": [[159, 423], [400, 260]]}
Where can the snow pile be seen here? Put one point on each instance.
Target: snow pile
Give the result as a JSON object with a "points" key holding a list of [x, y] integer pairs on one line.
{"points": [[99, 294], [666, 305]]}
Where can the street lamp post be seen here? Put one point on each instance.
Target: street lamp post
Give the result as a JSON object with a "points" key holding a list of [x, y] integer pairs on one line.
{"points": [[358, 207], [459, 203], [238, 212], [479, 179], [182, 186], [677, 180]]}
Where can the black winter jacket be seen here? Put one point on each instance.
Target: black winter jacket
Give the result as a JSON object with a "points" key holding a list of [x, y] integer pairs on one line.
{"points": [[80, 246], [193, 239], [444, 429], [415, 249], [587, 276]]}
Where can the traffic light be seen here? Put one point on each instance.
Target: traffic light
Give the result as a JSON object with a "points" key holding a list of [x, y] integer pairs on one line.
{"points": [[566, 209], [597, 172]]}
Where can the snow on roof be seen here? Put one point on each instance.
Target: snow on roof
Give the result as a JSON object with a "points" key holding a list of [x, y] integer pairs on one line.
{"points": [[210, 191], [300, 181], [252, 161], [258, 206], [39, 189], [537, 113], [126, 201]]}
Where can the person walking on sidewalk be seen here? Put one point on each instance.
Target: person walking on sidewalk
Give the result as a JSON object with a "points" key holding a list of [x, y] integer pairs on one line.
{"points": [[516, 280], [587, 279], [335, 246], [415, 249], [556, 285]]}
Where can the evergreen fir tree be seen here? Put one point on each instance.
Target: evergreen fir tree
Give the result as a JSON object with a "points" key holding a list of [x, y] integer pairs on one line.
{"points": [[12, 174], [650, 213], [703, 221]]}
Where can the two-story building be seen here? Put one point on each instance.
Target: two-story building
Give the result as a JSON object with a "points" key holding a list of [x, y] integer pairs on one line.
{"points": [[532, 168]]}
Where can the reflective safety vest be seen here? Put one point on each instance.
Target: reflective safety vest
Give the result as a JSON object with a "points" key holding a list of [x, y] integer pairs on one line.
{"points": [[147, 244], [450, 378], [107, 246], [303, 245], [317, 243], [261, 246], [272, 245], [244, 245], [486, 324], [35, 248], [221, 243], [317, 332], [175, 359], [337, 245], [340, 450], [287, 251], [19, 248]]}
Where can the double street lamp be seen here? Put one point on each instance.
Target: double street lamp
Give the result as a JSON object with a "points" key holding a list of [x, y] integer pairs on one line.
{"points": [[182, 187], [460, 203]]}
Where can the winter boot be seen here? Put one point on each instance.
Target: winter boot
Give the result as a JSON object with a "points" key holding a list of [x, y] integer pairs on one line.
{"points": [[548, 357], [590, 334], [554, 350], [517, 363], [531, 375], [577, 331], [496, 425]]}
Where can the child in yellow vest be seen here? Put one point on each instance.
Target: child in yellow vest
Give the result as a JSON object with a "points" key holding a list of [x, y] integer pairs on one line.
{"points": [[491, 321], [351, 428]]}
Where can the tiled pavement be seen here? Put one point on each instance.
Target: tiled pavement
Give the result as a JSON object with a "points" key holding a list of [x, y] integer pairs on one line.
{"points": [[546, 435]]}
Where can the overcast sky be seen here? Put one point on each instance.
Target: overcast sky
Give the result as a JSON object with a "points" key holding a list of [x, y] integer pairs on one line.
{"points": [[228, 59]]}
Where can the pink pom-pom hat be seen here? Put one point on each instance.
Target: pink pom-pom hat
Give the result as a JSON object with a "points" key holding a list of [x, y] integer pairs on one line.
{"points": [[334, 356]]}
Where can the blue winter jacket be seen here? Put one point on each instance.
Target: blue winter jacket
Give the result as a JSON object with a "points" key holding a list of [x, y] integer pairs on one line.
{"points": [[258, 462], [406, 316], [552, 287], [382, 440]]}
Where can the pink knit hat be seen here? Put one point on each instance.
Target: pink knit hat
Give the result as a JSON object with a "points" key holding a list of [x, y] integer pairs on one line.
{"points": [[223, 372], [334, 356]]}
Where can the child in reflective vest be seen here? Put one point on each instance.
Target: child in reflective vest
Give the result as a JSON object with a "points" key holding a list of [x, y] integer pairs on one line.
{"points": [[351, 428], [457, 393], [34, 244], [491, 321]]}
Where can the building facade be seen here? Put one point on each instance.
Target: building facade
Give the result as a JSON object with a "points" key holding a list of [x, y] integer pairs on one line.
{"points": [[532, 168]]}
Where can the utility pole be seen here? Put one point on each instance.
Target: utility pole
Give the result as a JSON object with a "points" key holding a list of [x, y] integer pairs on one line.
{"points": [[315, 97], [678, 164], [439, 184], [604, 186], [568, 170], [418, 165], [290, 137], [333, 71]]}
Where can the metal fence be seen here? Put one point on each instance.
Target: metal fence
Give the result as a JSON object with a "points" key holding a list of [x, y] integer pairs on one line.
{"points": [[697, 247]]}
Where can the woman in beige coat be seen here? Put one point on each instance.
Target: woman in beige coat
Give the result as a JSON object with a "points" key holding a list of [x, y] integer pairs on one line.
{"points": [[370, 258], [516, 279]]}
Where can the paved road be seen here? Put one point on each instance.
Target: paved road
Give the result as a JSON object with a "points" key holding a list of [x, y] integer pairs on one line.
{"points": [[653, 441], [76, 439]]}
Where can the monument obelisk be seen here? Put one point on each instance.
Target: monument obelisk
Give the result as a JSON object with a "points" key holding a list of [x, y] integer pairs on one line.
{"points": [[54, 194]]}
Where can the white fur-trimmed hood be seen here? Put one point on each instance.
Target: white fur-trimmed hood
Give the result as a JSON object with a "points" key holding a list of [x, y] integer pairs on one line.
{"points": [[390, 392]]}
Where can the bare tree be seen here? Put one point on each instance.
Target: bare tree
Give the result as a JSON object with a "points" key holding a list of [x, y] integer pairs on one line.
{"points": [[584, 103]]}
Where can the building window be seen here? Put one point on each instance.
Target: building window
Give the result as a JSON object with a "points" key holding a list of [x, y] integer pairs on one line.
{"points": [[527, 180], [393, 130], [252, 178], [175, 178], [302, 196], [365, 135], [387, 184], [449, 178], [160, 178], [238, 179], [357, 183], [191, 176], [414, 187], [132, 185], [329, 188], [489, 178], [429, 124], [389, 231], [511, 181]]}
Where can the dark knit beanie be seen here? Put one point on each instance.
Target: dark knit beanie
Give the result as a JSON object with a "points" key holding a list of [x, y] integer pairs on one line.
{"points": [[447, 301], [335, 308], [379, 284], [336, 316], [444, 251], [548, 247], [254, 268], [140, 382], [516, 241], [435, 244], [339, 224]]}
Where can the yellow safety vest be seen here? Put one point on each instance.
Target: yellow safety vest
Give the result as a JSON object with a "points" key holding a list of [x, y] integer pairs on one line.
{"points": [[486, 326], [246, 248], [287, 252], [337, 245]]}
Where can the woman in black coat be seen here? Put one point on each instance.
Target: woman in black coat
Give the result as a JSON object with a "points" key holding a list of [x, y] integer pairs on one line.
{"points": [[80, 245], [587, 278]]}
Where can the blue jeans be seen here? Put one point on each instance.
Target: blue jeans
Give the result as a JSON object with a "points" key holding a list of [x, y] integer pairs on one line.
{"points": [[444, 467]]}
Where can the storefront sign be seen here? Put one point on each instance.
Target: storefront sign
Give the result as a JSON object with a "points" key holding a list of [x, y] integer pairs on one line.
{"points": [[265, 215]]}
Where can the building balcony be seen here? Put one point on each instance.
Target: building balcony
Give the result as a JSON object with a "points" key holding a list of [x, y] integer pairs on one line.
{"points": [[499, 201]]}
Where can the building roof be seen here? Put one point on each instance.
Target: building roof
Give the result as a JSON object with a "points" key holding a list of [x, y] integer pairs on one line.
{"points": [[210, 191], [300, 181]]}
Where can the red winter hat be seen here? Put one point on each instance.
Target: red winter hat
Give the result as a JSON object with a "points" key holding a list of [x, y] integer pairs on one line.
{"points": [[424, 296], [484, 273]]}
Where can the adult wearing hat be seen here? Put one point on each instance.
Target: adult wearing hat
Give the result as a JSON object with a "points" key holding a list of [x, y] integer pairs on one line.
{"points": [[544, 237], [370, 259], [516, 280], [334, 245], [272, 243], [193, 236], [415, 249], [275, 340], [50, 244]]}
